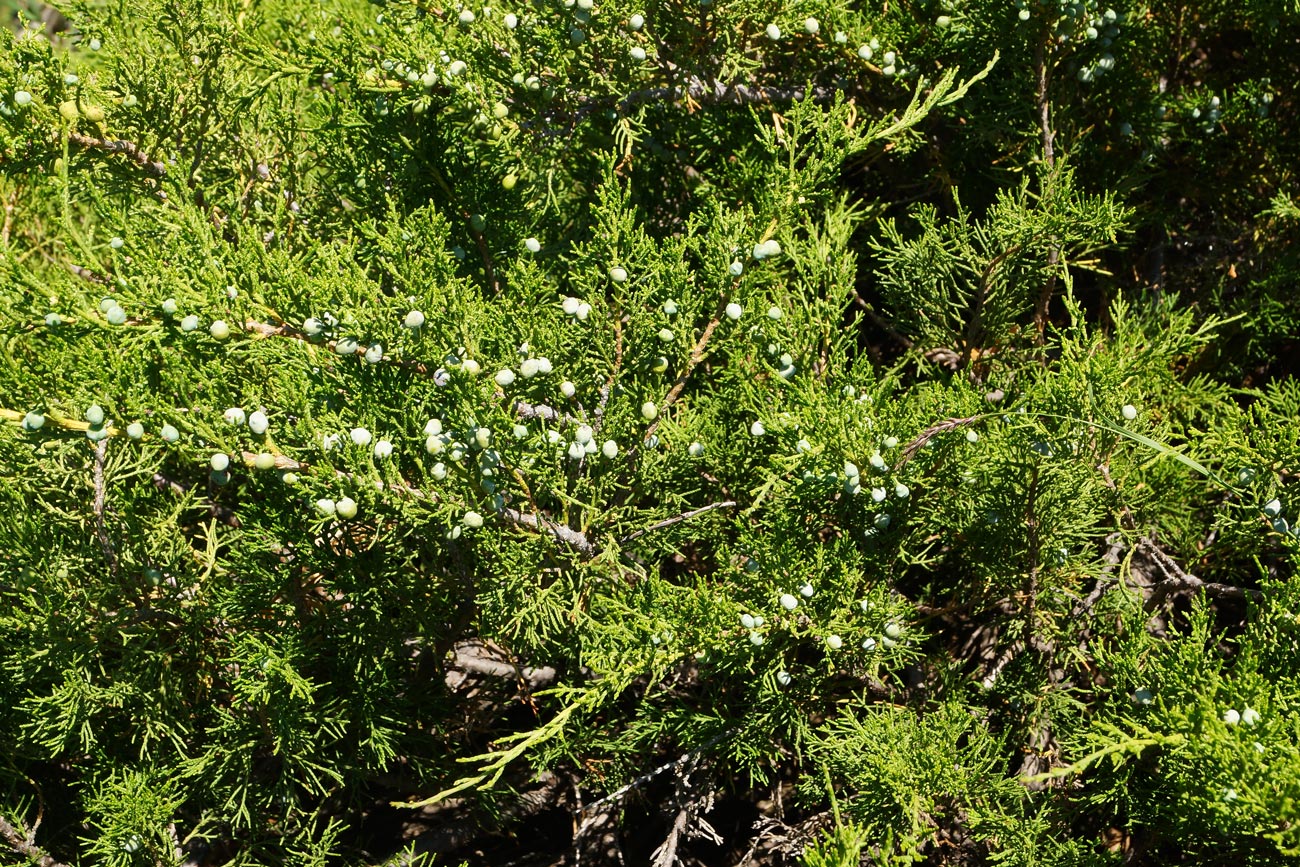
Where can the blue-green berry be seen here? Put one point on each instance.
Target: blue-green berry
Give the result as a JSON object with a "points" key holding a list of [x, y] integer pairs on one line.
{"points": [[33, 421], [135, 430], [169, 307], [190, 323], [94, 414], [169, 434]]}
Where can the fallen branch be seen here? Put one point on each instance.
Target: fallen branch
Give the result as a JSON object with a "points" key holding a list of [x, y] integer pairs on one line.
{"points": [[677, 519]]}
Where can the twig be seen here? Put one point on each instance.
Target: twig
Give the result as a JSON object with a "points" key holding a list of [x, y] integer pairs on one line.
{"points": [[1178, 581], [129, 149], [22, 846], [542, 411], [668, 522], [540, 523], [101, 450], [218, 511]]}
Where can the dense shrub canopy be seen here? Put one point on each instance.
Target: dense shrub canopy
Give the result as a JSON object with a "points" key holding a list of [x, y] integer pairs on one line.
{"points": [[710, 432]]}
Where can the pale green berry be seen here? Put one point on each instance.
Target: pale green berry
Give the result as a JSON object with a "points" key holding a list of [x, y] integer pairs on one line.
{"points": [[893, 630], [432, 427], [636, 22], [511, 20], [360, 436], [1129, 411], [756, 429], [94, 414], [660, 364], [834, 642], [943, 22], [264, 461], [219, 329], [609, 449], [374, 353], [1273, 508], [33, 421], [325, 506], [289, 478], [472, 520], [803, 446], [568, 389], [784, 678], [107, 304], [96, 434], [471, 367], [972, 436], [520, 432], [869, 644], [890, 442], [582, 434], [505, 378], [312, 326], [169, 307], [1250, 716], [345, 346], [774, 312], [902, 491], [1231, 717], [881, 521], [169, 434], [438, 471], [670, 307], [53, 320], [483, 437], [789, 602], [877, 462], [135, 430], [637, 53], [346, 508], [414, 319], [529, 368], [736, 268], [466, 16], [234, 415], [1024, 14], [22, 98], [258, 423], [666, 335], [532, 245], [734, 311], [695, 449], [190, 323], [219, 461], [756, 639], [383, 449], [773, 32], [806, 591], [649, 411], [617, 274], [811, 26], [864, 51]]}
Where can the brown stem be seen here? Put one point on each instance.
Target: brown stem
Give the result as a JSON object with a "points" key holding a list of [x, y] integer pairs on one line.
{"points": [[129, 149]]}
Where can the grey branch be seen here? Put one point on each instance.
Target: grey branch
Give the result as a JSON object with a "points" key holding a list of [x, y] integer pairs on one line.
{"points": [[677, 519], [542, 411], [1178, 581], [21, 845], [569, 536], [101, 531]]}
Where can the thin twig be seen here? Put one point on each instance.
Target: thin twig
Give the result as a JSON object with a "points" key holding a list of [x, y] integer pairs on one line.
{"points": [[668, 522], [218, 511], [130, 149], [101, 532]]}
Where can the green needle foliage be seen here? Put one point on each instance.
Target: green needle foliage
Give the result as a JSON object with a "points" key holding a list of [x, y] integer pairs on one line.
{"points": [[419, 422]]}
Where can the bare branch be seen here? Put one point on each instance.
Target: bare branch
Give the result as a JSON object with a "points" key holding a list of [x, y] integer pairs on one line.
{"points": [[22, 846], [129, 149], [677, 519], [540, 523]]}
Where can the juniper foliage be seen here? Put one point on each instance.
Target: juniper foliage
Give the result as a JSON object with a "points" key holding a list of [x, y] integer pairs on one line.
{"points": [[415, 414]]}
